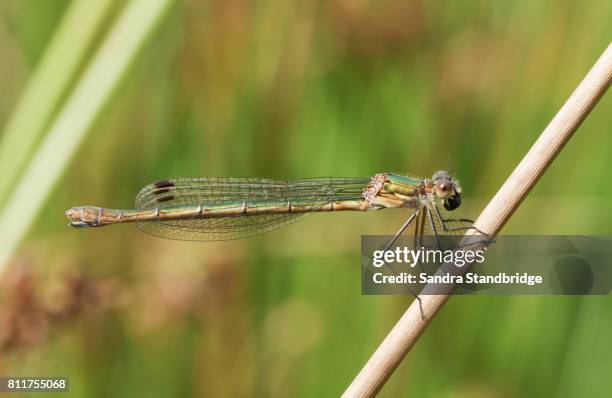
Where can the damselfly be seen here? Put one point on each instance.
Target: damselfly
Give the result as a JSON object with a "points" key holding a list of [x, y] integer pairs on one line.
{"points": [[209, 209]]}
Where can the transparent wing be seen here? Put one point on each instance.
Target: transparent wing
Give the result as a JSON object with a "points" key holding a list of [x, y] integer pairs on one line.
{"points": [[212, 229], [228, 192]]}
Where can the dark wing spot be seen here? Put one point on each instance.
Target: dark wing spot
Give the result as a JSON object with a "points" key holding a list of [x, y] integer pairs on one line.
{"points": [[163, 184], [165, 198], [161, 190]]}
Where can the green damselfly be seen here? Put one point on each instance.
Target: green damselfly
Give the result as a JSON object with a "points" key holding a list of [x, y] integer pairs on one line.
{"points": [[209, 209]]}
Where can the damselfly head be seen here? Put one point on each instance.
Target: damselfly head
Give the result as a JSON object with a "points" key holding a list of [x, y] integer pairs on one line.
{"points": [[447, 189]]}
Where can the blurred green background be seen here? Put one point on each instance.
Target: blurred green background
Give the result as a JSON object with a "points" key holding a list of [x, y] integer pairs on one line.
{"points": [[290, 89]]}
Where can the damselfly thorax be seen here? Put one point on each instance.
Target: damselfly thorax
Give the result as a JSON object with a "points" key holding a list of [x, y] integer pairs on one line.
{"points": [[231, 208]]}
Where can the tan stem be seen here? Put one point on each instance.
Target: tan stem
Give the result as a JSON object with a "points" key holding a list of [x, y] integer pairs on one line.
{"points": [[411, 325]]}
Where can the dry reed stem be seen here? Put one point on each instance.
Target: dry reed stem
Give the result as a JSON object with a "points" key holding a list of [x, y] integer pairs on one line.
{"points": [[407, 330]]}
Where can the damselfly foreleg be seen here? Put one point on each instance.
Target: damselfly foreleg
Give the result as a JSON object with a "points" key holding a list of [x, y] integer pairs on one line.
{"points": [[404, 226], [445, 221], [434, 230], [419, 230]]}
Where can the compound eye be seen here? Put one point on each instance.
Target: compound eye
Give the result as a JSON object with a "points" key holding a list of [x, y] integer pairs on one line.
{"points": [[443, 189], [453, 202]]}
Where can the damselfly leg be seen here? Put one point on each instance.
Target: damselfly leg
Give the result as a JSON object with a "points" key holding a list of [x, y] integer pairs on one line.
{"points": [[414, 216], [450, 225], [427, 218]]}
